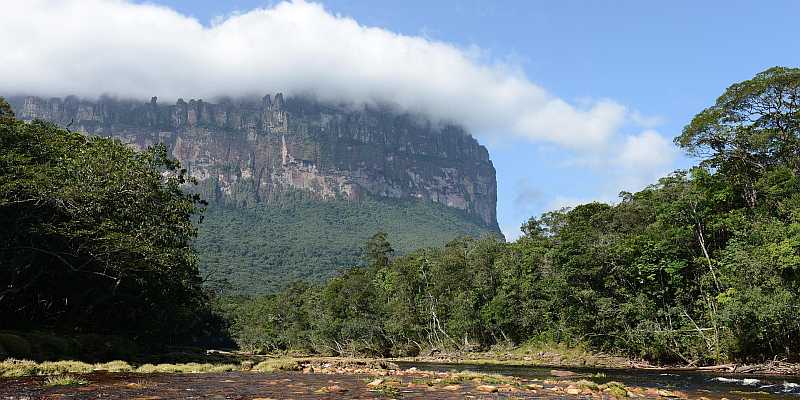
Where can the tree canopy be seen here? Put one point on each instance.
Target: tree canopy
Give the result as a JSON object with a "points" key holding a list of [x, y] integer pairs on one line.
{"points": [[97, 235]]}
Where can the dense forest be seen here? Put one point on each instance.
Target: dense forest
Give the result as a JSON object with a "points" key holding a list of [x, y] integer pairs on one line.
{"points": [[263, 248], [702, 266], [96, 236]]}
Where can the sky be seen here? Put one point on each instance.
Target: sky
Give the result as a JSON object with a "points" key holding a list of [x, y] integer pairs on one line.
{"points": [[575, 100]]}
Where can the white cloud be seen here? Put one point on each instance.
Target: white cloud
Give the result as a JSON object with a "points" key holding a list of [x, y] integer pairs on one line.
{"points": [[559, 202], [94, 47], [646, 121], [647, 150]]}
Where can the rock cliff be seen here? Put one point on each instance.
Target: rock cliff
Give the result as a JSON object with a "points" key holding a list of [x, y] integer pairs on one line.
{"points": [[248, 151]]}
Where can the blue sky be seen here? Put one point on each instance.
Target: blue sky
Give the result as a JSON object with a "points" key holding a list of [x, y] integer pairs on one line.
{"points": [[662, 62]]}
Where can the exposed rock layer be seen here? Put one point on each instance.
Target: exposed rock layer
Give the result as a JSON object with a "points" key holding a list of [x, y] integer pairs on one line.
{"points": [[249, 151]]}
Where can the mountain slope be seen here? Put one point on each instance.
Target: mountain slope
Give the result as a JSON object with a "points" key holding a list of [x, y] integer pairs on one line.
{"points": [[357, 169], [262, 248]]}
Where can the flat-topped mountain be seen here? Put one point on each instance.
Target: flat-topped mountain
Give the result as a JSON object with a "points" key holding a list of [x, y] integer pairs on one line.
{"points": [[261, 155]]}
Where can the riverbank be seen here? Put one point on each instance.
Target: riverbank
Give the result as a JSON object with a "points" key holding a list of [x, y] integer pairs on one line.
{"points": [[296, 378], [252, 377], [556, 356]]}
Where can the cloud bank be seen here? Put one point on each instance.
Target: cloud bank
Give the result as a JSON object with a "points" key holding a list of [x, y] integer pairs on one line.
{"points": [[131, 50], [94, 47]]}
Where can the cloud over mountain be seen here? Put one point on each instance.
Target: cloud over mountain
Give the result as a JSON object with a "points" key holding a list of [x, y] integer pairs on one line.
{"points": [[95, 47]]}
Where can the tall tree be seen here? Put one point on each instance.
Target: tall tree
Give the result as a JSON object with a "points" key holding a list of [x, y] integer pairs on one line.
{"points": [[378, 251], [753, 127], [96, 235]]}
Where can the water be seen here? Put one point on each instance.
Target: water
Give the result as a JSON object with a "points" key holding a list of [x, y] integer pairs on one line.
{"points": [[708, 384]]}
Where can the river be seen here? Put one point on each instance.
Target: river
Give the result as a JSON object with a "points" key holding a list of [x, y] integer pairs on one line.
{"points": [[695, 384]]}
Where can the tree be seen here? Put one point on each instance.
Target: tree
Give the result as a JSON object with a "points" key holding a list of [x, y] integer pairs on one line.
{"points": [[378, 251], [6, 113], [97, 236], [753, 127]]}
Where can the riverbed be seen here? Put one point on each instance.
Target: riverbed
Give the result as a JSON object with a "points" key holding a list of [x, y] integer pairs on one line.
{"points": [[422, 380], [695, 384]]}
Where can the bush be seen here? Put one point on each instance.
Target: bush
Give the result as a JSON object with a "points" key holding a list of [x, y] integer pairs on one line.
{"points": [[15, 346], [12, 368], [64, 380], [189, 368], [114, 366], [277, 365], [50, 347], [60, 367]]}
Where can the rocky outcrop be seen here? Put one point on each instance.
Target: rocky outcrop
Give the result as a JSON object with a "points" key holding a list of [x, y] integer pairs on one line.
{"points": [[246, 151]]}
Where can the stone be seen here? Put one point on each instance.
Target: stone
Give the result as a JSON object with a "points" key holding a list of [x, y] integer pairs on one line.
{"points": [[534, 386], [376, 382], [486, 388], [331, 389], [561, 374]]}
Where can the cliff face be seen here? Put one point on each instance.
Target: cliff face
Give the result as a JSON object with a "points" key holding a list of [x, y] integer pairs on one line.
{"points": [[250, 151]]}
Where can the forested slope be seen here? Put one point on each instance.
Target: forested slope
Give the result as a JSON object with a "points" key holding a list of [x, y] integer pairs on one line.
{"points": [[261, 249]]}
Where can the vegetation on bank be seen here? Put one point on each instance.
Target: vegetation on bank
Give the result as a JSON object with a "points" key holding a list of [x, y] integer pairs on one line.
{"points": [[701, 267], [13, 368], [351, 377], [97, 237]]}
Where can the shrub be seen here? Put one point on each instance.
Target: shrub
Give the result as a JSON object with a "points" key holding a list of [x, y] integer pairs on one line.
{"points": [[60, 367], [12, 368], [15, 346], [50, 347], [277, 365], [64, 380], [190, 368], [114, 366]]}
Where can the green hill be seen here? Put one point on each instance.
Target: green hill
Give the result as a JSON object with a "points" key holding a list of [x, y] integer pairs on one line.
{"points": [[262, 248]]}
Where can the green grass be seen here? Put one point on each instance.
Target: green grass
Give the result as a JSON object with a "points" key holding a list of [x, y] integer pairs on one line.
{"points": [[615, 389], [12, 368], [61, 367], [114, 366], [64, 380], [465, 376], [277, 365], [188, 368], [584, 384]]}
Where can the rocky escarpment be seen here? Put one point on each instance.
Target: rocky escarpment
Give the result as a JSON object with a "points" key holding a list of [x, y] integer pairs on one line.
{"points": [[248, 151]]}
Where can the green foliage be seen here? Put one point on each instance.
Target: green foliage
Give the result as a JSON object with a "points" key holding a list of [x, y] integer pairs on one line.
{"points": [[277, 365], [15, 346], [378, 251], [65, 380], [261, 249], [701, 267], [98, 236]]}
